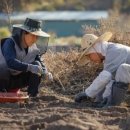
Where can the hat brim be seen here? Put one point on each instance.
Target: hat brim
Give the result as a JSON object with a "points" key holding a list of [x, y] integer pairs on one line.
{"points": [[104, 37], [83, 61], [37, 33]]}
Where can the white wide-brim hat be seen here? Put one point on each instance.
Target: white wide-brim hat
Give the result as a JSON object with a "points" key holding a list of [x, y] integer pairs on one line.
{"points": [[32, 26], [90, 40]]}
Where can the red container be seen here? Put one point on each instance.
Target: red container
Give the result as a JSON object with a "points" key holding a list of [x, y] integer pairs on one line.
{"points": [[12, 97]]}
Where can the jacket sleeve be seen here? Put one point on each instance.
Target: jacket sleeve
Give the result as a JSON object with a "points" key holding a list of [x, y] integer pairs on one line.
{"points": [[8, 50], [98, 84]]}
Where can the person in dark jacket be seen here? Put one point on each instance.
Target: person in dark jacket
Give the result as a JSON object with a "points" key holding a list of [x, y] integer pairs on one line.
{"points": [[20, 64]]}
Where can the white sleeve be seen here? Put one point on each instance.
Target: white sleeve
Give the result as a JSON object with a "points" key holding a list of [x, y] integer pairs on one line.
{"points": [[98, 84]]}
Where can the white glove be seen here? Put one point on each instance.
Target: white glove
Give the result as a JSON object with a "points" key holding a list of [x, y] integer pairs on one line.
{"points": [[36, 69], [49, 76]]}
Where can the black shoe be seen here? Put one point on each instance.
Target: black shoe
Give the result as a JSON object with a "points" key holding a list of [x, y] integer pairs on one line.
{"points": [[81, 97]]}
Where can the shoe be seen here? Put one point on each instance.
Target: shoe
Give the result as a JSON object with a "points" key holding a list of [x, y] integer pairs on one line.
{"points": [[81, 97]]}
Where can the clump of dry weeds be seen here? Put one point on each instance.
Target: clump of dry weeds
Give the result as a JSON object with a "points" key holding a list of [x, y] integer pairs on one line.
{"points": [[69, 78], [118, 24]]}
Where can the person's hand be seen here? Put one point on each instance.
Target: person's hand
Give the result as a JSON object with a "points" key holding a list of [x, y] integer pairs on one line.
{"points": [[49, 76], [35, 69]]}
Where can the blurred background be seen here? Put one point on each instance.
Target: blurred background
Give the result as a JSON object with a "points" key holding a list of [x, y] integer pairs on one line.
{"points": [[67, 20]]}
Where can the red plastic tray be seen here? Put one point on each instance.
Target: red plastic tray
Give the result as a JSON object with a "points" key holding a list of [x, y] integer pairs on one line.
{"points": [[12, 97]]}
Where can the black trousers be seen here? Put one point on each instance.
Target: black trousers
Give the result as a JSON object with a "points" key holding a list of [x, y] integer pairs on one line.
{"points": [[25, 79]]}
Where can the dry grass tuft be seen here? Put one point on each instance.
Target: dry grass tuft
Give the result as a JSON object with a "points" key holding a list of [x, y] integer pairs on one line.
{"points": [[117, 24], [69, 78]]}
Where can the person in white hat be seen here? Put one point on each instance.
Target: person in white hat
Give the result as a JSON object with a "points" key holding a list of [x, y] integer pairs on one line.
{"points": [[110, 86], [20, 64]]}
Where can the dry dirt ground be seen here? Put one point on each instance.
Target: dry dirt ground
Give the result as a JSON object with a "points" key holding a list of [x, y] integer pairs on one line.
{"points": [[55, 108], [52, 111]]}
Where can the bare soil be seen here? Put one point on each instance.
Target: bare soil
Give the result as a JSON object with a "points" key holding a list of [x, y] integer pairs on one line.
{"points": [[55, 109]]}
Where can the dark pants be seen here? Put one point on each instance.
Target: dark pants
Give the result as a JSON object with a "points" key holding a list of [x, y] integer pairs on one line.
{"points": [[25, 79]]}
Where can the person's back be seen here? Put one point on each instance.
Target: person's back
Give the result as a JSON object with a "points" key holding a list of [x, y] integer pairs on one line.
{"points": [[116, 55]]}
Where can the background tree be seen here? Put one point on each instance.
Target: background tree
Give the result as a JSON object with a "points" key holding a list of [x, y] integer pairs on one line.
{"points": [[7, 8]]}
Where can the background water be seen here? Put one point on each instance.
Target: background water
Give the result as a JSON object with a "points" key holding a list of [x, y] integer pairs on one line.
{"points": [[67, 28], [62, 23]]}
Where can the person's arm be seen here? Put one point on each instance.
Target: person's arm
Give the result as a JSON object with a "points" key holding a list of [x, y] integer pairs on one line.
{"points": [[8, 50], [98, 84]]}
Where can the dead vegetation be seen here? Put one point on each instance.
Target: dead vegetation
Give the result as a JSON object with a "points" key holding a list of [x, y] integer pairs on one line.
{"points": [[117, 24], [69, 78]]}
